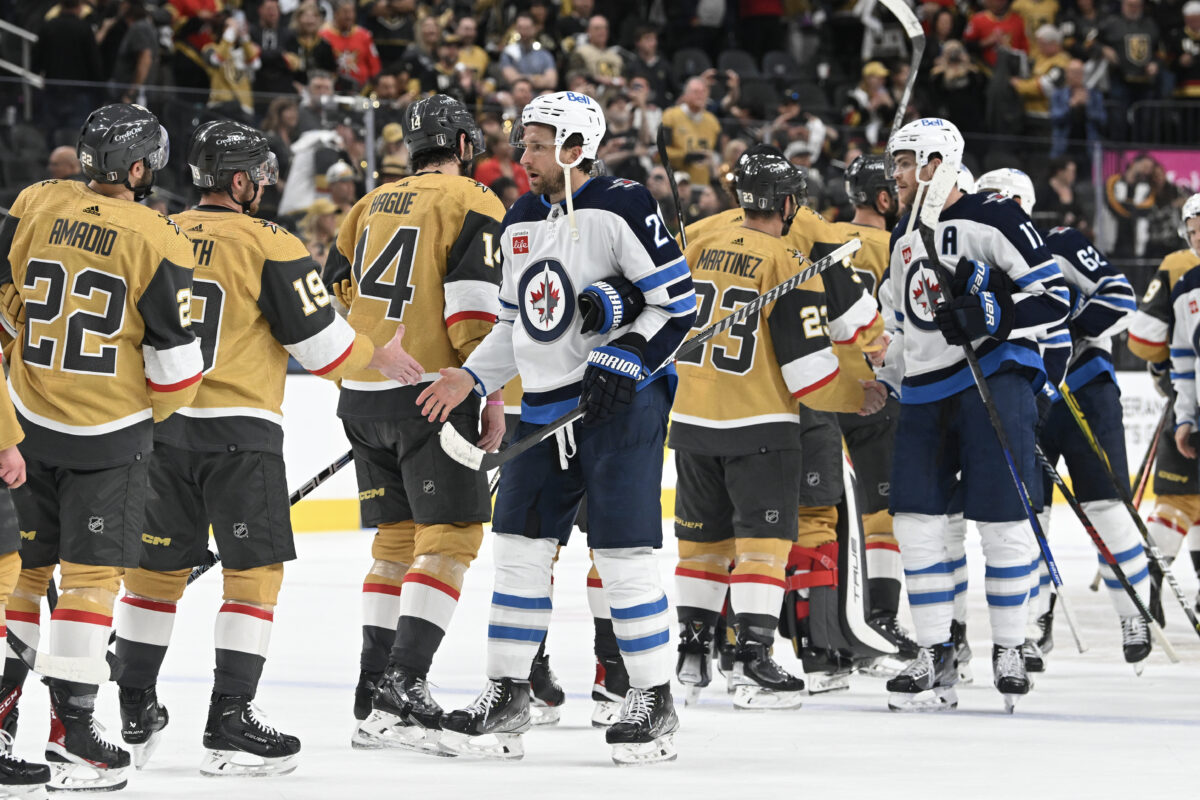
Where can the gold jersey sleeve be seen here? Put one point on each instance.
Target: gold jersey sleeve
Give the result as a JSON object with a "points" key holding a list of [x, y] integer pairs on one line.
{"points": [[106, 345], [422, 252]]}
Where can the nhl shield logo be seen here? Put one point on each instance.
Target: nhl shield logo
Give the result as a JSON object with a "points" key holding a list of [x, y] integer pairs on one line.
{"points": [[547, 300], [428, 487], [95, 524], [813, 479], [772, 516], [240, 530]]}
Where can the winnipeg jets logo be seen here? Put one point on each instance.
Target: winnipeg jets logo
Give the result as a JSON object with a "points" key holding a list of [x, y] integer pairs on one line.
{"points": [[919, 304], [547, 302]]}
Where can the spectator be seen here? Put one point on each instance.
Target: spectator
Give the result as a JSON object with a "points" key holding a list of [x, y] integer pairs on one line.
{"points": [[1048, 73], [726, 173], [660, 190], [519, 95], [1129, 196], [1162, 223], [1077, 117], [311, 51], [391, 102], [1183, 48], [625, 149], [993, 28], [340, 182], [318, 228], [802, 155], [957, 90], [522, 59], [1057, 204], [648, 64], [594, 58], [945, 26], [392, 168], [1130, 43], [1081, 30], [392, 25], [318, 110], [137, 57], [544, 33], [66, 50], [63, 164], [353, 46], [196, 26], [446, 72], [573, 26], [1035, 14], [506, 189], [421, 56], [647, 115], [230, 61], [469, 52], [693, 133], [869, 106], [499, 163], [276, 71], [709, 201], [393, 140], [281, 125]]}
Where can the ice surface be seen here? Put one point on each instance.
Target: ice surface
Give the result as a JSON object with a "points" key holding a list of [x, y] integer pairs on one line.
{"points": [[1089, 729]]}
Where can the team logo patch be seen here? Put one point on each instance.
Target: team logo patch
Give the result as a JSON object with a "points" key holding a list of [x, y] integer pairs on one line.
{"points": [[918, 304], [96, 524], [547, 300], [813, 479], [428, 487], [520, 243], [240, 530], [884, 489], [906, 254], [772, 516]]}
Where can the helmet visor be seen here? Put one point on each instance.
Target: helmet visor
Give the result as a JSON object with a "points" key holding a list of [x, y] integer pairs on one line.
{"points": [[157, 158], [266, 173]]}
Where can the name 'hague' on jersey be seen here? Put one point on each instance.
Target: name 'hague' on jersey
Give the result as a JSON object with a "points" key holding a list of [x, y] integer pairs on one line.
{"points": [[423, 251], [106, 346], [257, 297]]}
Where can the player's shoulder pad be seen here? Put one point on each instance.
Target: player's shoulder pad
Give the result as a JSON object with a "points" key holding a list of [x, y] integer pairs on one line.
{"points": [[1002, 214], [1065, 241], [625, 198], [469, 193], [528, 208], [1177, 263], [1189, 282], [276, 242], [897, 231]]}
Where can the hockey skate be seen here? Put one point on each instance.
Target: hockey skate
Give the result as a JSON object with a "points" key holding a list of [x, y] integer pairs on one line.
{"points": [[1009, 676], [1032, 654], [10, 693], [763, 684], [609, 690], [926, 684], [404, 716], [1045, 624], [20, 779], [962, 651], [693, 669], [239, 743], [142, 721], [545, 707], [365, 692], [491, 727], [79, 759], [1135, 641], [887, 666], [645, 733]]}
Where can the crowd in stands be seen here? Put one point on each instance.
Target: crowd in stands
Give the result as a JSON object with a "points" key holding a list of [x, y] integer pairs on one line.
{"points": [[1039, 84]]}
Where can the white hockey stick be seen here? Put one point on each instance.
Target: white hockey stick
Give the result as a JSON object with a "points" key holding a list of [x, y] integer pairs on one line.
{"points": [[916, 35]]}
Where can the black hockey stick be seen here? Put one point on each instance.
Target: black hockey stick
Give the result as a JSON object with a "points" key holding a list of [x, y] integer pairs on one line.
{"points": [[296, 496], [666, 165], [1109, 559], [474, 457], [1157, 563], [916, 35], [935, 193]]}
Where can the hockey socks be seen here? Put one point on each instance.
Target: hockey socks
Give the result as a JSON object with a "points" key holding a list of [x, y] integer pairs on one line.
{"points": [[640, 614], [1112, 521], [143, 634], [928, 574], [381, 611], [242, 633], [431, 591], [1009, 551], [521, 604]]}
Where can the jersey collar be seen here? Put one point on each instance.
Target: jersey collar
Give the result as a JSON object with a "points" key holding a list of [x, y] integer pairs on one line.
{"points": [[548, 204]]}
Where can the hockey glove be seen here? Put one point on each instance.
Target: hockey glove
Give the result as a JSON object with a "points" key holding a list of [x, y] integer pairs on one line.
{"points": [[965, 319], [12, 306], [609, 382], [609, 304], [1160, 373], [973, 277]]}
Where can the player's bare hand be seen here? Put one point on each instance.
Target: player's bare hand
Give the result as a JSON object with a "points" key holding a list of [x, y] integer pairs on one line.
{"points": [[439, 397], [394, 362], [493, 428], [874, 398], [1183, 442], [12, 467], [876, 349]]}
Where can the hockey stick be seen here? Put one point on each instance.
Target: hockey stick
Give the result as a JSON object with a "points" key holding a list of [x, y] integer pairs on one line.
{"points": [[1144, 471], [296, 496], [935, 193], [666, 165], [1156, 557], [471, 456], [916, 35], [1155, 629]]}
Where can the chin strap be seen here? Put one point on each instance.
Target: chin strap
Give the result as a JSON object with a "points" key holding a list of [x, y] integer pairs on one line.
{"points": [[246, 206], [140, 193]]}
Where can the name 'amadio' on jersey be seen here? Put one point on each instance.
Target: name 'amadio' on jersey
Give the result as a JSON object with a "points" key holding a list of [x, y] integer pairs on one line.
{"points": [[84, 235]]}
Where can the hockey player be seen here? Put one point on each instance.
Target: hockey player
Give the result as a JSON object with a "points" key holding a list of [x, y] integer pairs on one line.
{"points": [[568, 233], [257, 298], [737, 435], [104, 351], [1176, 512], [943, 428], [423, 253], [1185, 327], [1103, 305]]}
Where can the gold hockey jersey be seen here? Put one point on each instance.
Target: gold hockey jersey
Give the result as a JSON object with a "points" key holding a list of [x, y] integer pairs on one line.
{"points": [[423, 251], [257, 297], [688, 133], [1150, 329], [868, 264], [743, 390], [106, 346]]}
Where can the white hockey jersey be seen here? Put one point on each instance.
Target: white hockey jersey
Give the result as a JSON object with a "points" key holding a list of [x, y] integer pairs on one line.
{"points": [[544, 269], [921, 367], [1185, 342]]}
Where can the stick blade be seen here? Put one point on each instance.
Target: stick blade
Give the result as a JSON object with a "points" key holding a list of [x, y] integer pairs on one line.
{"points": [[458, 448], [936, 191]]}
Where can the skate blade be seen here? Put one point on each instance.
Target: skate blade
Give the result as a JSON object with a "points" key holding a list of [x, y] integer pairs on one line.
{"points": [[1138, 667], [634, 755], [888, 666], [965, 676], [691, 694], [544, 715], [225, 763], [1010, 701], [755, 698], [74, 776], [140, 753], [387, 731], [493, 746], [823, 682], [940, 699], [605, 713]]}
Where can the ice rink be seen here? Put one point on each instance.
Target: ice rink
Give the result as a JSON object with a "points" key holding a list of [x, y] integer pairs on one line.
{"points": [[1090, 728]]}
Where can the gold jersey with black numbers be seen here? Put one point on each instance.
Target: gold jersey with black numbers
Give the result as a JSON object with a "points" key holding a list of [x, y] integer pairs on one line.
{"points": [[868, 266], [257, 298], [691, 133], [423, 251], [106, 347], [1150, 328], [743, 390]]}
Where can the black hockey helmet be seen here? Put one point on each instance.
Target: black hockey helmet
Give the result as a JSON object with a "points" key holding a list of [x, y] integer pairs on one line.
{"points": [[435, 123], [765, 179], [219, 150], [866, 177], [117, 136]]}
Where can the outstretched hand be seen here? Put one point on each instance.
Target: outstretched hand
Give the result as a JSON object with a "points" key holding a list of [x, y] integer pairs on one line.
{"points": [[12, 467], [439, 397], [874, 398], [1183, 440], [395, 363]]}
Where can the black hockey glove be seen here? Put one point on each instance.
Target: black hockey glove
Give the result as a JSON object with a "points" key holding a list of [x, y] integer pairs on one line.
{"points": [[965, 319], [609, 382], [1161, 375], [973, 277], [609, 304]]}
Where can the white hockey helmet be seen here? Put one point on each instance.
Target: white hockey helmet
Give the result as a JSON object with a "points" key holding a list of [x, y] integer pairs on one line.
{"points": [[966, 180], [1190, 209], [1010, 183], [926, 138], [567, 113]]}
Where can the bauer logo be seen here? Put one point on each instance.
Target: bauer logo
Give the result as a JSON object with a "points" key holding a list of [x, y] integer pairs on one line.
{"points": [[240, 530], [520, 243], [96, 524]]}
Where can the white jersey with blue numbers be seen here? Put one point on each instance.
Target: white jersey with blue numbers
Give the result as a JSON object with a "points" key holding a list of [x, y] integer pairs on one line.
{"points": [[1103, 303], [921, 367], [544, 269], [1185, 344]]}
